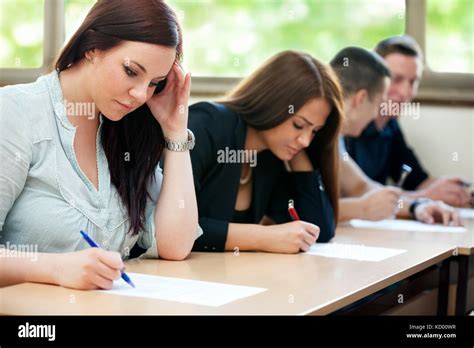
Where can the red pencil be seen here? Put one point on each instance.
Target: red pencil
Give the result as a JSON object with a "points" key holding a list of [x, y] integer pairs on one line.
{"points": [[292, 210]]}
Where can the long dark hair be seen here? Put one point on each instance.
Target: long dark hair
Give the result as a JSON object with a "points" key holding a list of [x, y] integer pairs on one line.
{"points": [[134, 144], [292, 78]]}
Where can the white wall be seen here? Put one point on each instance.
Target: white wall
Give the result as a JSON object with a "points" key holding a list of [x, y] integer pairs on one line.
{"points": [[439, 135]]}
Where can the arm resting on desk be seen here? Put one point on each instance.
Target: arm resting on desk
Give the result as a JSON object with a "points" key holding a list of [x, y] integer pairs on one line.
{"points": [[176, 216]]}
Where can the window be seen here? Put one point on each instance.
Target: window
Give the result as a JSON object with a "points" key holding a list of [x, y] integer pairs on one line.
{"points": [[74, 13], [225, 38], [21, 33], [450, 35], [233, 37], [230, 38]]}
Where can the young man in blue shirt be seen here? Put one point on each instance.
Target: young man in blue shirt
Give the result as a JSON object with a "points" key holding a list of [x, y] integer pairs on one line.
{"points": [[381, 149], [365, 81]]}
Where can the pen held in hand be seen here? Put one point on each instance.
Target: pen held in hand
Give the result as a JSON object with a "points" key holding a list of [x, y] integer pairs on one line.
{"points": [[93, 244], [406, 169], [292, 210]]}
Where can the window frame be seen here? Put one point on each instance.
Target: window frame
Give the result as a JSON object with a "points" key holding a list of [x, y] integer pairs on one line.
{"points": [[53, 30], [435, 87]]}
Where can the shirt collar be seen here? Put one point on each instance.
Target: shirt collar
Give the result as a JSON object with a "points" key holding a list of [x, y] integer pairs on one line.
{"points": [[57, 100], [371, 130]]}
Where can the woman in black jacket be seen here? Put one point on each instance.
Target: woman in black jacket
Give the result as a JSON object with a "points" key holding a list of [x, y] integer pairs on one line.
{"points": [[273, 138]]}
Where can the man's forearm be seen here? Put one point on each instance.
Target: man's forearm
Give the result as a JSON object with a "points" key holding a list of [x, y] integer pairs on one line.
{"points": [[350, 208], [404, 207]]}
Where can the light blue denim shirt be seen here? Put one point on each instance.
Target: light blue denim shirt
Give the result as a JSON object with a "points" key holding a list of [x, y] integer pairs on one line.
{"points": [[45, 198]]}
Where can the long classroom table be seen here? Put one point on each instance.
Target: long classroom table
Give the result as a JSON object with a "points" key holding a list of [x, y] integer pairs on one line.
{"points": [[296, 284]]}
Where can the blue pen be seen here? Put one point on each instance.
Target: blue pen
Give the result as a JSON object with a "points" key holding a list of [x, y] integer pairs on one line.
{"points": [[93, 244]]}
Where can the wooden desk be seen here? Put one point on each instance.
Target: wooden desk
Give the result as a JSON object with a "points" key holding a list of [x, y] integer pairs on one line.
{"points": [[297, 284], [462, 245], [463, 242]]}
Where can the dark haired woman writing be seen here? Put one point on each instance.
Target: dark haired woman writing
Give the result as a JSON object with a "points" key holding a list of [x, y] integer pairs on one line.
{"points": [[80, 149]]}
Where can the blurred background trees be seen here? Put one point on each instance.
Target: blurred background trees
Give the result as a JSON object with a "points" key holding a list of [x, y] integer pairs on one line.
{"points": [[233, 37]]}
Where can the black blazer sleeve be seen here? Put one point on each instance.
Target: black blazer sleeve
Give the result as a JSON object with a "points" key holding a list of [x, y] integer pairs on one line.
{"points": [[311, 200], [205, 121]]}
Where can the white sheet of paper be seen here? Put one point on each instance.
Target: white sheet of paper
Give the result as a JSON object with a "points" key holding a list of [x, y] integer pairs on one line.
{"points": [[404, 225], [465, 213], [353, 251], [182, 290]]}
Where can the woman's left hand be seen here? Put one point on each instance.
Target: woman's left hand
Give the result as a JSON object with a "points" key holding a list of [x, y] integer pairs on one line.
{"points": [[170, 107]]}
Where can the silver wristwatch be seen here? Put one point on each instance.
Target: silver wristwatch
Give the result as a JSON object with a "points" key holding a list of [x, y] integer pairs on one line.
{"points": [[181, 146]]}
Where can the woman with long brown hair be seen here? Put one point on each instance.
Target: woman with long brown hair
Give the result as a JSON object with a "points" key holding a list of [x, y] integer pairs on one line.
{"points": [[272, 139], [80, 150]]}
